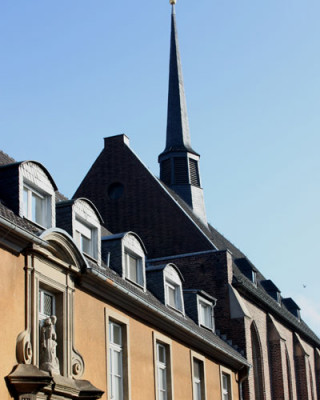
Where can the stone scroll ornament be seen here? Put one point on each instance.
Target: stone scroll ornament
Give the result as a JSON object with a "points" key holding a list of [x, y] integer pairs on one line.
{"points": [[48, 345], [77, 364], [24, 348]]}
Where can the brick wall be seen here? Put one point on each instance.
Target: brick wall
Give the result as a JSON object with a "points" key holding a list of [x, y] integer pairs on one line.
{"points": [[143, 206]]}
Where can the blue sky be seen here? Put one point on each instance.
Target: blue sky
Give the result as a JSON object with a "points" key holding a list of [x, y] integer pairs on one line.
{"points": [[73, 72]]}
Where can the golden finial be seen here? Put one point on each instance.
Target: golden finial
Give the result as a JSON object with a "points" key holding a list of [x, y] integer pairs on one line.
{"points": [[173, 2]]}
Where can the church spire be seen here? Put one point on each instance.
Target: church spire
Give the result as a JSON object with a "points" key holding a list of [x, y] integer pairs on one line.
{"points": [[178, 136], [179, 163]]}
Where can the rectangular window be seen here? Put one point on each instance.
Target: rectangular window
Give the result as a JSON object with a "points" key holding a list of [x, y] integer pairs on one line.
{"points": [[47, 304], [254, 277], [206, 314], [85, 237], [134, 268], [226, 386], [162, 371], [173, 295], [35, 206], [115, 361], [118, 359], [198, 380], [162, 367]]}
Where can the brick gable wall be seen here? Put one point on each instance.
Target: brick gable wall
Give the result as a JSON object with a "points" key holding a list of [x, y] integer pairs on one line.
{"points": [[144, 206]]}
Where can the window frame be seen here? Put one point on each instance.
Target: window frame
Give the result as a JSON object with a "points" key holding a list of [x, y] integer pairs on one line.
{"points": [[29, 191], [172, 279], [196, 357], [228, 374], [202, 301], [115, 350], [177, 289], [140, 267], [122, 321], [159, 339], [41, 293], [80, 227]]}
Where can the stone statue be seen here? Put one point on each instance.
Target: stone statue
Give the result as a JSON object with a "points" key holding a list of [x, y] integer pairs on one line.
{"points": [[48, 343]]}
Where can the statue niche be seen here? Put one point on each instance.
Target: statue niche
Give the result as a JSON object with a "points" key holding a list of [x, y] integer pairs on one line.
{"points": [[48, 342]]}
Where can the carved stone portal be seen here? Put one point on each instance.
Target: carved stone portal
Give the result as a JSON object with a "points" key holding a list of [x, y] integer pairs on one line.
{"points": [[48, 343]]}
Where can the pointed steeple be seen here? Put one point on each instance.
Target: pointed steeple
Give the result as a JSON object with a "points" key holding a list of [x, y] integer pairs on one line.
{"points": [[178, 136], [179, 163]]}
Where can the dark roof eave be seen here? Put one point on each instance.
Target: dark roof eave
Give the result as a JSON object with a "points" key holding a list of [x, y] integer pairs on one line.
{"points": [[122, 297]]}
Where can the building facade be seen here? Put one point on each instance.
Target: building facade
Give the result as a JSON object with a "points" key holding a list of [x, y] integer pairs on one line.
{"points": [[169, 215], [83, 316], [125, 292]]}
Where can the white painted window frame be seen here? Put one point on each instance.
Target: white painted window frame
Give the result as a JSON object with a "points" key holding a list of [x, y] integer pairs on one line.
{"points": [[45, 198], [226, 393], [115, 350], [172, 281], [83, 229], [140, 268], [159, 339], [196, 357], [112, 316], [169, 284], [162, 370], [202, 301]]}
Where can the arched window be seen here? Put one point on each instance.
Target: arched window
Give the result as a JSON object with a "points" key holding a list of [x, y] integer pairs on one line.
{"points": [[311, 382], [289, 377], [257, 364]]}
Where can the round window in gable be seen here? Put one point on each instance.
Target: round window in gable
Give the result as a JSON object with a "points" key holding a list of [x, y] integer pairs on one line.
{"points": [[115, 190]]}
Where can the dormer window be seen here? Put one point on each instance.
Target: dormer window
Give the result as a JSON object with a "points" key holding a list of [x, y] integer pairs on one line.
{"points": [[279, 298], [125, 253], [37, 191], [86, 238], [173, 288], [173, 295], [35, 206], [134, 268], [254, 277], [205, 312], [272, 290], [292, 306]]}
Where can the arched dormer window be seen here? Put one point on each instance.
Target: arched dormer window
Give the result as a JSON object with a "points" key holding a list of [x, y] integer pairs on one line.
{"points": [[37, 194], [173, 288], [86, 228], [81, 219], [134, 260], [125, 253]]}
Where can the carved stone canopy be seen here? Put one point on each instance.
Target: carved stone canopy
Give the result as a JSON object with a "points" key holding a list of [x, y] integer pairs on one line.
{"points": [[28, 379]]}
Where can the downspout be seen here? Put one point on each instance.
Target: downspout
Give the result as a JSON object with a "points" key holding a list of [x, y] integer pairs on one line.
{"points": [[242, 376]]}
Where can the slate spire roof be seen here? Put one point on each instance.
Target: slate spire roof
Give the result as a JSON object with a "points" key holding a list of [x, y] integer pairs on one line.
{"points": [[178, 136], [179, 163]]}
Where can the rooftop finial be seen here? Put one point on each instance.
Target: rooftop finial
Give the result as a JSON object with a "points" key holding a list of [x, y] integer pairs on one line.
{"points": [[173, 2]]}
